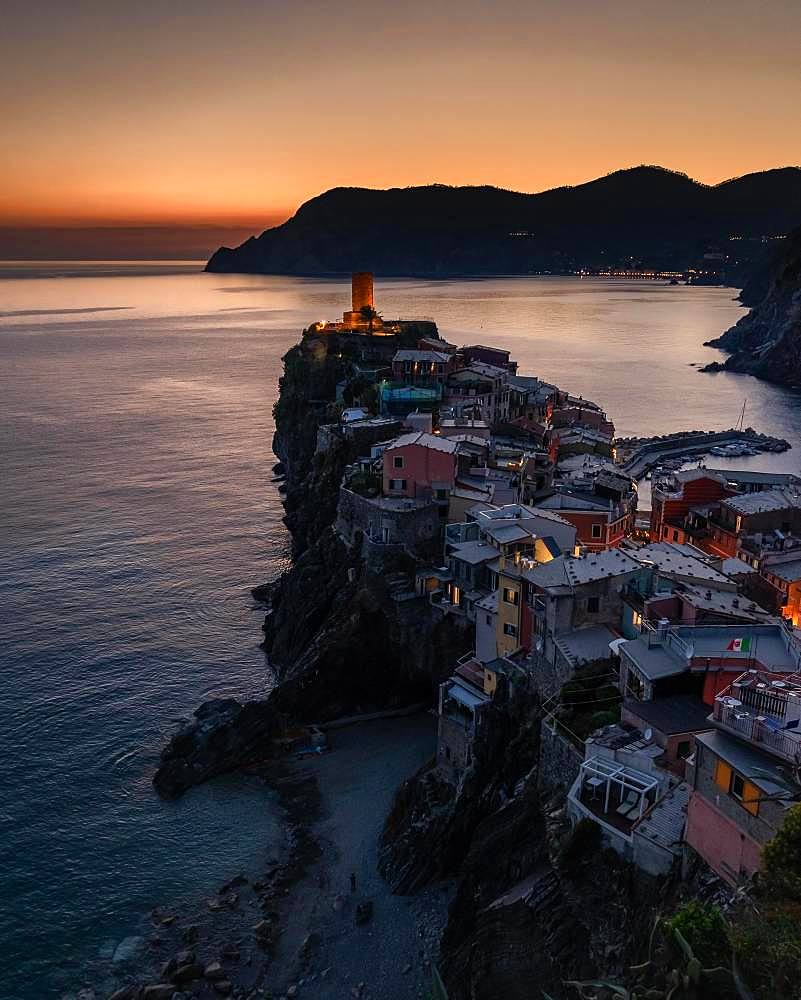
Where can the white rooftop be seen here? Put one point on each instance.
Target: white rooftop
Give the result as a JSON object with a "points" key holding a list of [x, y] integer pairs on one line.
{"points": [[680, 560], [763, 501], [424, 440], [571, 571]]}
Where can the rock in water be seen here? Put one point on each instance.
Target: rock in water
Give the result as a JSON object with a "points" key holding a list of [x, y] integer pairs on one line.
{"points": [[126, 949], [223, 735]]}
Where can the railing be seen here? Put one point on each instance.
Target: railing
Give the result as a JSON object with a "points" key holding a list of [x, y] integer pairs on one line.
{"points": [[783, 744]]}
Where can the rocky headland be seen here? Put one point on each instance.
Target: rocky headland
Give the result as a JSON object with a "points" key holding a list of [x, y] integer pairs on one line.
{"points": [[767, 341]]}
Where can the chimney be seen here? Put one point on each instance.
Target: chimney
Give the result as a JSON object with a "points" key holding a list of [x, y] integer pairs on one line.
{"points": [[660, 634]]}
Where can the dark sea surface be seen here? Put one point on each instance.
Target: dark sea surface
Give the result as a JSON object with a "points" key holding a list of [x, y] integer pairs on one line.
{"points": [[138, 510]]}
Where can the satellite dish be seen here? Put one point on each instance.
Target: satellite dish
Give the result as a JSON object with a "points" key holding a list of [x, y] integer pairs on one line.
{"points": [[648, 733]]}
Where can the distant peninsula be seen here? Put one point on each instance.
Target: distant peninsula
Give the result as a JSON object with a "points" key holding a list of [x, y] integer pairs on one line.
{"points": [[639, 220]]}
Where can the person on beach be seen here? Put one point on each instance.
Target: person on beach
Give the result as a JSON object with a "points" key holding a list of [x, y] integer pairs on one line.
{"points": [[353, 881]]}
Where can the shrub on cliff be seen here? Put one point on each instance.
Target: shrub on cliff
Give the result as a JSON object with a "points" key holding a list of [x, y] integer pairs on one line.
{"points": [[781, 860], [702, 925], [767, 941]]}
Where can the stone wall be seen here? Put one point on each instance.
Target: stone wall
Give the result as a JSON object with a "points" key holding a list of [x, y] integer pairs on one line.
{"points": [[559, 761], [454, 747], [415, 528]]}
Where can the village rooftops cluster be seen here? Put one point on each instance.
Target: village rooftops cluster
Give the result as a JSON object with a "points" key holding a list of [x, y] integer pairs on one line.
{"points": [[503, 492]]}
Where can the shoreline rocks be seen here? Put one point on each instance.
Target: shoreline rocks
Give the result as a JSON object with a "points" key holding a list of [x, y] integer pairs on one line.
{"points": [[224, 735], [766, 342]]}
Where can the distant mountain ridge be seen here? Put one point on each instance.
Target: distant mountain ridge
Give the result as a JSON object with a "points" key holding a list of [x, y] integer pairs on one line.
{"points": [[645, 214]]}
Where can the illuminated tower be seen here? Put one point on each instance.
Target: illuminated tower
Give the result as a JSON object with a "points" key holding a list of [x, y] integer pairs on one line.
{"points": [[361, 290], [361, 298]]}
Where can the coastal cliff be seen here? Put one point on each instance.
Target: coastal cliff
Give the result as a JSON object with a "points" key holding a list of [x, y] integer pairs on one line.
{"points": [[341, 632], [767, 341]]}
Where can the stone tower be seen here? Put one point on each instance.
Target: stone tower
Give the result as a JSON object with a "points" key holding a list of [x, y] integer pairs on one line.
{"points": [[361, 290]]}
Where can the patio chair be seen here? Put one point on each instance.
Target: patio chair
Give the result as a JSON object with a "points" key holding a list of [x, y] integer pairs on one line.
{"points": [[628, 804]]}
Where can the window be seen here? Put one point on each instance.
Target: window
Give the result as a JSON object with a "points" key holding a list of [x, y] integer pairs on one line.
{"points": [[675, 536], [510, 629], [511, 596], [397, 461], [596, 531], [735, 784], [488, 619], [441, 494], [593, 605], [397, 484], [684, 749]]}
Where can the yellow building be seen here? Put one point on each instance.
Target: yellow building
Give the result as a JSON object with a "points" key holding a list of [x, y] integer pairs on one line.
{"points": [[507, 634]]}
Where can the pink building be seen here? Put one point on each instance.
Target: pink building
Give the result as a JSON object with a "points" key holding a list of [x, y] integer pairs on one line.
{"points": [[420, 465]]}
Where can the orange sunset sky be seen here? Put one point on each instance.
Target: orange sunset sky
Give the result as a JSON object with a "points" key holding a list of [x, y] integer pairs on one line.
{"points": [[234, 113]]}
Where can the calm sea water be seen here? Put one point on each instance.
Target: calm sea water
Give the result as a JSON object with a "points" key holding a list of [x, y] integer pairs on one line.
{"points": [[138, 510]]}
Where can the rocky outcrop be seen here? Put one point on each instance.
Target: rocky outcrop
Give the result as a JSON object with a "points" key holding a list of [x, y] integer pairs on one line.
{"points": [[431, 826], [343, 645], [767, 342], [305, 403], [223, 735]]}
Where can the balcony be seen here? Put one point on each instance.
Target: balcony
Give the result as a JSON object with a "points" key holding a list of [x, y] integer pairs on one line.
{"points": [[765, 710]]}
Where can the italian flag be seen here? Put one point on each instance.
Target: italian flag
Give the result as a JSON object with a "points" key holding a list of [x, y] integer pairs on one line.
{"points": [[739, 646]]}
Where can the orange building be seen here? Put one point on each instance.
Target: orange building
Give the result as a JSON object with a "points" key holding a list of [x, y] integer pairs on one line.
{"points": [[672, 499]]}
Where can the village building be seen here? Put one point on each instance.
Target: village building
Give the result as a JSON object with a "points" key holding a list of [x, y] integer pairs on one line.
{"points": [[426, 465], [600, 522], [571, 610], [462, 709], [744, 774], [690, 659], [751, 515], [426, 368], [536, 476], [639, 804], [673, 497], [472, 426], [479, 390], [494, 541], [495, 356]]}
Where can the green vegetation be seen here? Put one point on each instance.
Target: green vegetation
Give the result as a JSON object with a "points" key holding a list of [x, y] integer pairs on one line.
{"points": [[704, 928], [781, 860], [369, 315], [361, 391], [767, 940]]}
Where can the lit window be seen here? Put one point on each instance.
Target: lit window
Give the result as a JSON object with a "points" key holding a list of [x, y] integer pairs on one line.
{"points": [[511, 596]]}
